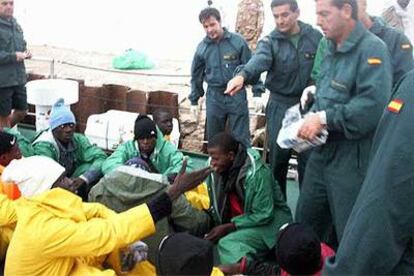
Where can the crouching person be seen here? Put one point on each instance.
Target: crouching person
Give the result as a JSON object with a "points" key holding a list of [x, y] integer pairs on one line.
{"points": [[58, 234], [130, 186], [150, 150], [81, 160], [183, 254], [246, 202], [298, 252]]}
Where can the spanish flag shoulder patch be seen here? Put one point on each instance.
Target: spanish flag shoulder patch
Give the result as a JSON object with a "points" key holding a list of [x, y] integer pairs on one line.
{"points": [[406, 46], [395, 106], [374, 61]]}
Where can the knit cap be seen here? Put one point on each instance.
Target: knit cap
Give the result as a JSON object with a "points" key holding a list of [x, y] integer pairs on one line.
{"points": [[144, 128], [61, 114]]}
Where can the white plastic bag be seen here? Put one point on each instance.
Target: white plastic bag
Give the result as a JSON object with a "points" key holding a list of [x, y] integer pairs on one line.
{"points": [[288, 134]]}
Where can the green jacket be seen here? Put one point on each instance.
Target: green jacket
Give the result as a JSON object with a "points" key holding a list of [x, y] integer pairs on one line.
{"points": [[215, 63], [378, 237], [264, 208], [12, 73], [166, 158], [288, 68], [88, 157], [319, 57], [355, 83], [25, 145], [399, 47]]}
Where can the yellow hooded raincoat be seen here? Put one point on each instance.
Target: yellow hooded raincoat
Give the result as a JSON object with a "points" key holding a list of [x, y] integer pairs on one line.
{"points": [[57, 234]]}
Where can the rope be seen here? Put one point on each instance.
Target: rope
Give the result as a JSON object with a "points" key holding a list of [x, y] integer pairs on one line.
{"points": [[110, 70]]}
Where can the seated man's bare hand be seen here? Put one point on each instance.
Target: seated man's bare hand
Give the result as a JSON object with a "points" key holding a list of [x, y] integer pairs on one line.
{"points": [[220, 231]]}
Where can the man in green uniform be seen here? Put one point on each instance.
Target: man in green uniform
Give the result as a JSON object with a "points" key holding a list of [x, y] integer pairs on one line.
{"points": [[246, 205], [398, 44], [13, 52], [287, 55], [378, 238], [150, 148], [215, 60], [355, 83], [73, 151]]}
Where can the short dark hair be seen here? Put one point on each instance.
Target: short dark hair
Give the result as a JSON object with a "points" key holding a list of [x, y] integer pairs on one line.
{"points": [[7, 141], [209, 12], [159, 112], [224, 141], [292, 3], [298, 250], [353, 3]]}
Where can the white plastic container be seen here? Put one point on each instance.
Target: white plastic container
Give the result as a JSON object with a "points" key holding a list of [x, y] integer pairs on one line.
{"points": [[44, 93]]}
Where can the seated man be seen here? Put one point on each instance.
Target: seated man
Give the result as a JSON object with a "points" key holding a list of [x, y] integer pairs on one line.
{"points": [[9, 150], [25, 145], [160, 155], [127, 187], [58, 234], [73, 151], [164, 121], [246, 202]]}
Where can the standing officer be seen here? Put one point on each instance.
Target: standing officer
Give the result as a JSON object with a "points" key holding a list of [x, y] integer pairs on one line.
{"points": [[287, 55], [215, 60], [378, 237], [399, 46], [13, 52], [355, 83]]}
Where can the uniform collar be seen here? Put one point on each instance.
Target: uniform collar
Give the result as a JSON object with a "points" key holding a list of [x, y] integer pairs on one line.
{"points": [[378, 25], [226, 35], [7, 22], [354, 37]]}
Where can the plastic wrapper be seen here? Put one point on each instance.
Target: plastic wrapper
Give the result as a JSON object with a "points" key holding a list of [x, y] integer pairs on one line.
{"points": [[288, 134]]}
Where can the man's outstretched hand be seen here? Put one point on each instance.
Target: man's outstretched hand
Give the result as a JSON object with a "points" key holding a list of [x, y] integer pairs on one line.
{"points": [[186, 181], [234, 85]]}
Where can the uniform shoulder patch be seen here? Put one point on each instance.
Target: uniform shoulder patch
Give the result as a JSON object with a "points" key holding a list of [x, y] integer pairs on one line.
{"points": [[406, 46], [374, 61], [395, 106]]}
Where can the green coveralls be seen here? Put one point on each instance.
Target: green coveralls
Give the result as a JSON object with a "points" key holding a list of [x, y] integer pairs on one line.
{"points": [[398, 45], [265, 211], [355, 84], [288, 73], [166, 158], [378, 238], [12, 73], [215, 62], [88, 158]]}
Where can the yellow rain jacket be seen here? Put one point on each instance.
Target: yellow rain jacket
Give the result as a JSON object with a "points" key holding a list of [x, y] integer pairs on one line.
{"points": [[58, 234], [8, 220]]}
